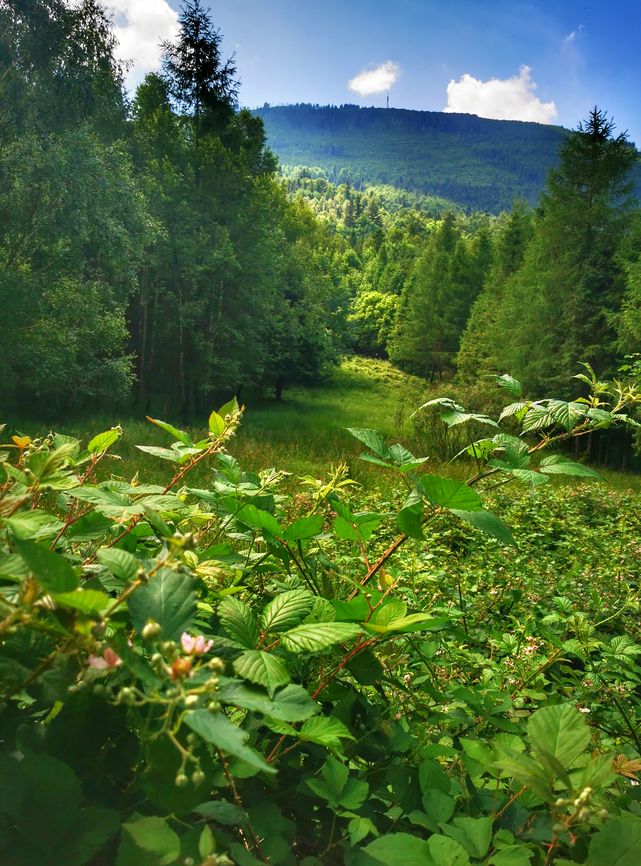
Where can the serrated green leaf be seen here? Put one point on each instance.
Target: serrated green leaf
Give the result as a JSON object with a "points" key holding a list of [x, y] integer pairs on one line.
{"points": [[325, 731], [305, 527], [262, 668], [618, 843], [239, 621], [256, 518], [372, 438], [449, 493], [290, 704], [403, 459], [206, 842], [439, 807], [180, 435], [410, 518], [371, 458], [330, 785], [85, 600], [526, 770], [510, 384], [33, 524], [557, 413], [154, 835], [366, 668], [229, 408], [104, 441], [359, 828], [344, 530], [514, 455], [406, 624], [530, 476], [447, 852], [479, 450], [287, 610], [558, 464], [400, 849], [512, 855], [392, 609], [216, 424], [119, 562], [474, 834], [454, 417], [488, 523], [517, 409], [222, 812], [315, 637], [559, 730], [215, 728], [163, 453], [169, 598], [53, 572]]}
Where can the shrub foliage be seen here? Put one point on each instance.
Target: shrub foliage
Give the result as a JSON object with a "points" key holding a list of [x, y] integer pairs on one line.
{"points": [[237, 675]]}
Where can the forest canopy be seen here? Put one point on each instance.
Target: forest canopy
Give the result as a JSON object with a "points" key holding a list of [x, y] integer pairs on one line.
{"points": [[151, 250]]}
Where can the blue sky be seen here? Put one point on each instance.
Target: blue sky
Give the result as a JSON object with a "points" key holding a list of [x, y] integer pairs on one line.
{"points": [[544, 60]]}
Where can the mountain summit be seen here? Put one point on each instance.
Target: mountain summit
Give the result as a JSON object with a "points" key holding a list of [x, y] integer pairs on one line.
{"points": [[477, 163]]}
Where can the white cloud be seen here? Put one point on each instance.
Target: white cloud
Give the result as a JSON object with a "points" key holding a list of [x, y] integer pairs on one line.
{"points": [[376, 80], [572, 37], [140, 26], [500, 98]]}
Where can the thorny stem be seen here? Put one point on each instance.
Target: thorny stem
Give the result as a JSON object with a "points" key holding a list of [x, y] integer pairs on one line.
{"points": [[70, 519], [360, 646], [512, 799], [238, 801], [548, 661], [380, 562], [215, 446], [624, 715], [551, 849]]}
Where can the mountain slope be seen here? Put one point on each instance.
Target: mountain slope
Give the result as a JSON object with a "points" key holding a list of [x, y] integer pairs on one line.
{"points": [[478, 163]]}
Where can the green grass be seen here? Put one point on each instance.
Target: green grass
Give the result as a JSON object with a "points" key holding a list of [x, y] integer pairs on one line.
{"points": [[302, 434]]}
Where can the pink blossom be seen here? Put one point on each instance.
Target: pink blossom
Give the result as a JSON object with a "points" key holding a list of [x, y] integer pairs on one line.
{"points": [[108, 659], [195, 645]]}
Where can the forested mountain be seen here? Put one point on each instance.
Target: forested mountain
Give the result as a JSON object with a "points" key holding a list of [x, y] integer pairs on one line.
{"points": [[477, 163]]}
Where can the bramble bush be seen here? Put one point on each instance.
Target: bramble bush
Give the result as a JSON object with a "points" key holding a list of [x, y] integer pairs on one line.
{"points": [[239, 674]]}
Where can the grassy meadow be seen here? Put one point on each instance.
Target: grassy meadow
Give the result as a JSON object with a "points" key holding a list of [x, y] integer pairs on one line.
{"points": [[301, 434], [304, 433]]}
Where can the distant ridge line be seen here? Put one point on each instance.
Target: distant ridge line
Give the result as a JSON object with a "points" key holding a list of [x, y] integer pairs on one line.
{"points": [[476, 162]]}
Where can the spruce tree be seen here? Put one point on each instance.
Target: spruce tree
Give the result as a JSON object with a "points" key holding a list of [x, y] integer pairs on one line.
{"points": [[561, 305], [201, 82]]}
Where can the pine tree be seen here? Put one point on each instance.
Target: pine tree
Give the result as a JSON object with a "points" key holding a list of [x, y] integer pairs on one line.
{"points": [[202, 83], [561, 305]]}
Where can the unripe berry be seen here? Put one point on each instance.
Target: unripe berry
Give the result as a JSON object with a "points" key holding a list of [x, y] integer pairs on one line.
{"points": [[99, 630], [198, 777], [151, 630], [181, 780]]}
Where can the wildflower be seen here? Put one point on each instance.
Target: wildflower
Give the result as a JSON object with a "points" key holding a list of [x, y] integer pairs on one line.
{"points": [[584, 710], [195, 645], [108, 659]]}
